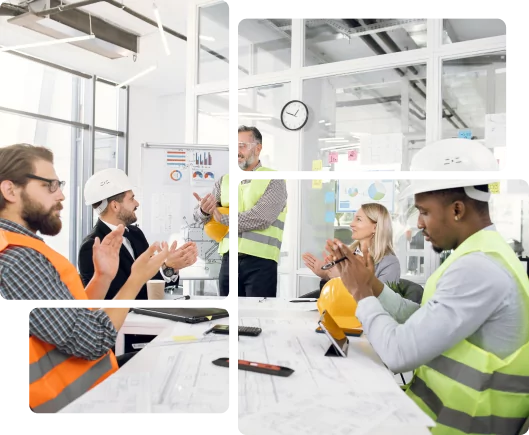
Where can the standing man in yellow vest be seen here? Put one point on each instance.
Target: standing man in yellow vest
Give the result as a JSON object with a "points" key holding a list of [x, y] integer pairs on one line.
{"points": [[261, 220], [70, 349], [468, 340]]}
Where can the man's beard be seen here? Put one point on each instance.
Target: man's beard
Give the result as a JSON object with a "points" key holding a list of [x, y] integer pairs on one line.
{"points": [[437, 250], [38, 219], [245, 164], [127, 217]]}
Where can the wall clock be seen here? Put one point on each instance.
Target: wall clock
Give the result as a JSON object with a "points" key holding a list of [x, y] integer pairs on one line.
{"points": [[294, 115]]}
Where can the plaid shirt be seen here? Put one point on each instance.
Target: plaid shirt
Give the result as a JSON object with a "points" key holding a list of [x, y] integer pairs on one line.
{"points": [[262, 215], [27, 274]]}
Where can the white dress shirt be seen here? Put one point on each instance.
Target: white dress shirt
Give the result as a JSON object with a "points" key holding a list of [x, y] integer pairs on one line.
{"points": [[126, 241]]}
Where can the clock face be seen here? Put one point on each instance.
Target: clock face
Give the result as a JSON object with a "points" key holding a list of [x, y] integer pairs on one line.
{"points": [[294, 115]]}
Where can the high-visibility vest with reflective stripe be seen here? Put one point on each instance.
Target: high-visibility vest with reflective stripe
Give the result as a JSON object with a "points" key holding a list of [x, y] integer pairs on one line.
{"points": [[467, 390], [55, 378], [260, 243], [224, 245]]}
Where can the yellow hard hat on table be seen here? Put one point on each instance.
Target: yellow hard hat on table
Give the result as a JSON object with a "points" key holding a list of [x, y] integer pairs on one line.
{"points": [[339, 303], [215, 230]]}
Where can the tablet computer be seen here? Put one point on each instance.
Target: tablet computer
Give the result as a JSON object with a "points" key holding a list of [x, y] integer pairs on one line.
{"points": [[338, 339]]}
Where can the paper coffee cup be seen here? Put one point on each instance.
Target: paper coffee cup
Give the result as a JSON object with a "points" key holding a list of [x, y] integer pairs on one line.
{"points": [[156, 289]]}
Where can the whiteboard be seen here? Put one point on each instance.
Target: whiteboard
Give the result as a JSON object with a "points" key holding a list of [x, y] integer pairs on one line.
{"points": [[353, 193], [170, 173]]}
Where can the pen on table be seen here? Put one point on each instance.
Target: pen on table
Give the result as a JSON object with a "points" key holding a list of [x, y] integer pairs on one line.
{"points": [[262, 300], [332, 263], [182, 297], [208, 331]]}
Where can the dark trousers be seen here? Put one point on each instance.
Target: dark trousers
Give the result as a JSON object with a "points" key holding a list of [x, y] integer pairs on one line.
{"points": [[246, 275]]}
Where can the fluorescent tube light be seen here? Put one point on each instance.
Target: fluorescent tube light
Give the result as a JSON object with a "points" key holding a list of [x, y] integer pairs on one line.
{"points": [[137, 76], [45, 43], [160, 27]]}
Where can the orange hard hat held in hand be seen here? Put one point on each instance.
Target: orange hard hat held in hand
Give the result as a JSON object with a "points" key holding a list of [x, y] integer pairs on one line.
{"points": [[214, 229]]}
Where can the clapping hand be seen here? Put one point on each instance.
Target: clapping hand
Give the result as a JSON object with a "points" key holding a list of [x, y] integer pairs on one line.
{"points": [[356, 271], [184, 256], [208, 204], [148, 263], [105, 254]]}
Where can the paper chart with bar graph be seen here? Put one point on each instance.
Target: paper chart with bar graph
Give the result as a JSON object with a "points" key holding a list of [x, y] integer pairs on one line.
{"points": [[170, 176]]}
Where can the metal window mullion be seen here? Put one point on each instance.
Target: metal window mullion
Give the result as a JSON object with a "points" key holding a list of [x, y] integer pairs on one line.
{"points": [[88, 147]]}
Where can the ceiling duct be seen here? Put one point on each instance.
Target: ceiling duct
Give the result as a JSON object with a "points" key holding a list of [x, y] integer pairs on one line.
{"points": [[61, 21]]}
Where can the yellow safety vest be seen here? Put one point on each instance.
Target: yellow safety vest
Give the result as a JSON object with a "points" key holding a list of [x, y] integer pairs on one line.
{"points": [[258, 243], [467, 390]]}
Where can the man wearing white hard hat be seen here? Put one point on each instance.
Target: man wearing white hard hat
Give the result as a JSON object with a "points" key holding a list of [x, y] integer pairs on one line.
{"points": [[468, 340], [110, 194]]}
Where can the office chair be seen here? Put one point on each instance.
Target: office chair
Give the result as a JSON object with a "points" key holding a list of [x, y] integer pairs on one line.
{"points": [[525, 428], [411, 290]]}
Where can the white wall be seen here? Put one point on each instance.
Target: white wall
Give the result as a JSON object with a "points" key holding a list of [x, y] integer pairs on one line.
{"points": [[152, 119]]}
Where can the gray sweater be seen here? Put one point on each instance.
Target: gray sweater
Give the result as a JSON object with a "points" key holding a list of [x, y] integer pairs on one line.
{"points": [[386, 270]]}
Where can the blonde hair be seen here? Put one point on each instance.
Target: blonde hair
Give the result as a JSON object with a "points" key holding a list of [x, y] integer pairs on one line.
{"points": [[382, 244]]}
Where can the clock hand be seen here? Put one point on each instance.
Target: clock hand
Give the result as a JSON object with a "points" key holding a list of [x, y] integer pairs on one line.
{"points": [[296, 113], [288, 113]]}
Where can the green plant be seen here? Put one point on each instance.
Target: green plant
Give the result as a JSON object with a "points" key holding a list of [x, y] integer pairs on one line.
{"points": [[396, 287]]}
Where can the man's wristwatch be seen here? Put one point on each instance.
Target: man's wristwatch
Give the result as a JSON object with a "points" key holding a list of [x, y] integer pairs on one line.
{"points": [[168, 271]]}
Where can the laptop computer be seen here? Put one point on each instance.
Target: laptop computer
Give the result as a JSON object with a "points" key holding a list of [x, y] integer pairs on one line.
{"points": [[186, 315]]}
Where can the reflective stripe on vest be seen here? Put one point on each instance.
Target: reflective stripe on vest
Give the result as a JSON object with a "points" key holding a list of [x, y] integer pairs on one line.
{"points": [[45, 370], [477, 380], [224, 244], [260, 243], [55, 378], [454, 419], [469, 390]]}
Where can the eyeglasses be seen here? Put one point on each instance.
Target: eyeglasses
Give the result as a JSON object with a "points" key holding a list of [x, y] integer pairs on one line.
{"points": [[246, 145], [53, 185]]}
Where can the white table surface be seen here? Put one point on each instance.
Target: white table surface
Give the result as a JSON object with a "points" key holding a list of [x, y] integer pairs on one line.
{"points": [[192, 385], [147, 325]]}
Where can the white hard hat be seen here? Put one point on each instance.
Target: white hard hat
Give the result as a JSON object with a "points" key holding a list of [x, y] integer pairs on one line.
{"points": [[104, 184], [451, 163]]}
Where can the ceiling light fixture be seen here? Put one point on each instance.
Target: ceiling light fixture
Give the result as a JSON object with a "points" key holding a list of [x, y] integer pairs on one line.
{"points": [[137, 76], [46, 43], [160, 28], [340, 147]]}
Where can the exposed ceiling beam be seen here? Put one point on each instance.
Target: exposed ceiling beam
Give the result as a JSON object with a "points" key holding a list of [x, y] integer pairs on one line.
{"points": [[64, 7]]}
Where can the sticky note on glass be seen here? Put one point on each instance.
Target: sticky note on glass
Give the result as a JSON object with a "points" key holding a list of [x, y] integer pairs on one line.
{"points": [[316, 184], [329, 217], [352, 155], [209, 317], [465, 134], [329, 197], [494, 187], [183, 337], [317, 165], [333, 157]]}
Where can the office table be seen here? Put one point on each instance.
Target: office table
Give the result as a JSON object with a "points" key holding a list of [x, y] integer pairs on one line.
{"points": [[138, 324], [174, 376]]}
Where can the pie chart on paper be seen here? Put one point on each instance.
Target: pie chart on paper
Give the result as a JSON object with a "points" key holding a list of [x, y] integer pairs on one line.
{"points": [[376, 191], [352, 192]]}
